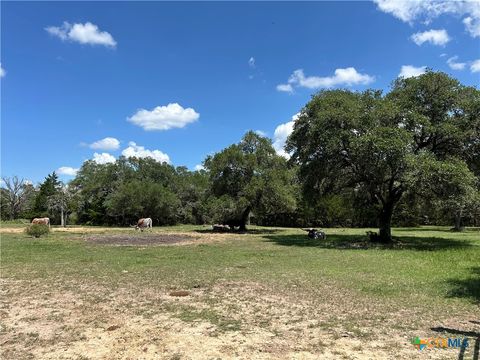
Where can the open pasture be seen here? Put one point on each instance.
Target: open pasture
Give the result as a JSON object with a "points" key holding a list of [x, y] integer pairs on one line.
{"points": [[271, 293]]}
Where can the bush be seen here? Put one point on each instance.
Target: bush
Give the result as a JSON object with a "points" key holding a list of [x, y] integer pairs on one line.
{"points": [[36, 230]]}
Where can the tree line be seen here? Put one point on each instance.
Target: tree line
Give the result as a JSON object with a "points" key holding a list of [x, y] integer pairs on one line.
{"points": [[408, 157]]}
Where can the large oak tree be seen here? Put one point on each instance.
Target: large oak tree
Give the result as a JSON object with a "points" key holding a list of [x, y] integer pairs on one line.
{"points": [[373, 143], [250, 177]]}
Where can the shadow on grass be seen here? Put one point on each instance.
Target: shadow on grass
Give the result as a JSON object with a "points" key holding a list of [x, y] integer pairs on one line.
{"points": [[249, 231], [434, 228], [361, 242], [467, 288]]}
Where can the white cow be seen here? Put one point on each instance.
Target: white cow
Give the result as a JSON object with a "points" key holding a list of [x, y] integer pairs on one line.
{"points": [[42, 221], [144, 223]]}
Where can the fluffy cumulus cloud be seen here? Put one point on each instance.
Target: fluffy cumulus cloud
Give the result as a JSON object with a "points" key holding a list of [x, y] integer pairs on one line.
{"points": [[103, 158], [426, 10], [199, 167], [475, 66], [454, 65], [2, 71], [67, 170], [108, 143], [281, 134], [134, 150], [164, 117], [348, 76], [435, 37], [87, 33], [408, 71]]}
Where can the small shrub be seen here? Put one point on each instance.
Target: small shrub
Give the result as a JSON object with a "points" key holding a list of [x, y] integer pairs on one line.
{"points": [[37, 230]]}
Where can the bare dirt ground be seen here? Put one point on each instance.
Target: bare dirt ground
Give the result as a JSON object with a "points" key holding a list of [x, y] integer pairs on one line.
{"points": [[152, 239], [72, 229], [132, 237], [227, 321]]}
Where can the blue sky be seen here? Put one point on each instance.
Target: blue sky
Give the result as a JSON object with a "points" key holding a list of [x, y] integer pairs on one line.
{"points": [[179, 81]]}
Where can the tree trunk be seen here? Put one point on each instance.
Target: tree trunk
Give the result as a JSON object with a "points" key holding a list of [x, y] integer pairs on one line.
{"points": [[385, 223], [62, 217], [244, 220], [458, 221]]}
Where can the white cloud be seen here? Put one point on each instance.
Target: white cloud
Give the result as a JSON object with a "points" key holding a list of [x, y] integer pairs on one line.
{"points": [[281, 134], [251, 62], [436, 37], [2, 71], [285, 88], [164, 117], [475, 66], [103, 158], [427, 10], [199, 167], [261, 133], [67, 170], [348, 76], [472, 24], [108, 143], [408, 71], [404, 10], [87, 33], [134, 150], [455, 65]]}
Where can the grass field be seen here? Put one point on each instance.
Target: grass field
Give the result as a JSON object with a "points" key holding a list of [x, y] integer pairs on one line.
{"points": [[272, 293]]}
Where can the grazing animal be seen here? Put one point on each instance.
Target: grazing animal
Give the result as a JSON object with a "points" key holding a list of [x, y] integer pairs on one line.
{"points": [[315, 234], [220, 228], [42, 221], [144, 223], [233, 223]]}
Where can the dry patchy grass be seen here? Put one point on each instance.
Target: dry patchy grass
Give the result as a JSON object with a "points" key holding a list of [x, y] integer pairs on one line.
{"points": [[246, 297]]}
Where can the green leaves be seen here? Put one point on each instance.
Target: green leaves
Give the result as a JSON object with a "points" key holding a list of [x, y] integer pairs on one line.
{"points": [[250, 176], [417, 136], [122, 192], [449, 178]]}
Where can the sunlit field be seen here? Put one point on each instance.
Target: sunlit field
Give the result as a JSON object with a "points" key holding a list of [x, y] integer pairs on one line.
{"points": [[111, 293]]}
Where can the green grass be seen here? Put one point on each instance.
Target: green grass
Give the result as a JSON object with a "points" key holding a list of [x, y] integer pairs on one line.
{"points": [[14, 223], [276, 281], [428, 266]]}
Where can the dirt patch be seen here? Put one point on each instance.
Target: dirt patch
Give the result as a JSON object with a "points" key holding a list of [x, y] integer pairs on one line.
{"points": [[69, 229], [11, 230], [179, 293], [49, 321], [142, 240]]}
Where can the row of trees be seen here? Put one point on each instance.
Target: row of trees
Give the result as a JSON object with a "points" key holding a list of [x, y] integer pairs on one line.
{"points": [[20, 199], [357, 159]]}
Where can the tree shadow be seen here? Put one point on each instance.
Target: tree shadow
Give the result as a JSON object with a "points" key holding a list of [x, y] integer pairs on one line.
{"points": [[435, 228], [473, 334], [249, 231], [467, 288], [361, 242]]}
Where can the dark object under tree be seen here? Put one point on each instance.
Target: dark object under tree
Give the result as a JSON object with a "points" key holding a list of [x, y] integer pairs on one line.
{"points": [[383, 145]]}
